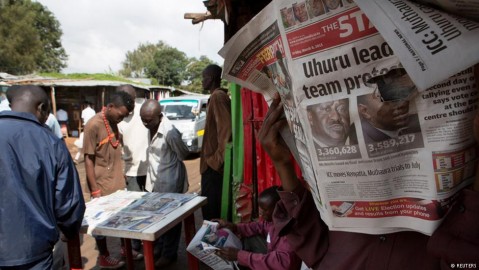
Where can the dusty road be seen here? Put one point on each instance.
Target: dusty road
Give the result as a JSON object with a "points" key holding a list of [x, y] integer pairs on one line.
{"points": [[88, 248]]}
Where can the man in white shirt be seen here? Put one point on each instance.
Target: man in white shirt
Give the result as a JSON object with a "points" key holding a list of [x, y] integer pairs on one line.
{"points": [[4, 105], [135, 142], [166, 170], [87, 113], [54, 126], [62, 115]]}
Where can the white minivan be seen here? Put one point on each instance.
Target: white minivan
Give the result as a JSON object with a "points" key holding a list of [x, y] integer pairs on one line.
{"points": [[188, 114]]}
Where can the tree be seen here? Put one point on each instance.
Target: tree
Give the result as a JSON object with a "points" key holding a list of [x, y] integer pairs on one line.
{"points": [[168, 67], [165, 65], [54, 57], [137, 61], [31, 38]]}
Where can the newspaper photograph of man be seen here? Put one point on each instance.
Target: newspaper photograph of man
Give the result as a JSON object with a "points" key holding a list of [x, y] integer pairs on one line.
{"points": [[315, 8], [287, 16], [300, 12], [332, 4], [388, 114], [333, 133]]}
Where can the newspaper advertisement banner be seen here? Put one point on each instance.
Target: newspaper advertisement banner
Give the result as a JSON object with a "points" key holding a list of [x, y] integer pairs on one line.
{"points": [[426, 39], [379, 154]]}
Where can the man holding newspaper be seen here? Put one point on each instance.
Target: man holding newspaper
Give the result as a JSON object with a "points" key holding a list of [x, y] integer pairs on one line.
{"points": [[408, 198], [455, 242]]}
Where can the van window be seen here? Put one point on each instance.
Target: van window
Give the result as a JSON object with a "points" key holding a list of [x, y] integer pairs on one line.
{"points": [[179, 109]]}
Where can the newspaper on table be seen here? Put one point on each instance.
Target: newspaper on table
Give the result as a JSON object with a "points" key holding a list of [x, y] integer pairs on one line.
{"points": [[132, 211], [208, 239], [380, 155]]}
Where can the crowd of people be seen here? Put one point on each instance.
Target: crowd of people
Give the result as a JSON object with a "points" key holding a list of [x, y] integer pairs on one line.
{"points": [[129, 144], [41, 187]]}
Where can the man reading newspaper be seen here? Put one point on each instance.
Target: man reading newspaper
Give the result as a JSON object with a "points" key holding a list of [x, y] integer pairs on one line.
{"points": [[454, 243], [391, 200]]}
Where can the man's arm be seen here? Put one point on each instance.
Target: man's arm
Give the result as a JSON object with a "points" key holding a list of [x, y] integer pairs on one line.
{"points": [[295, 214], [90, 176], [252, 229], [221, 106], [283, 257], [176, 144], [89, 145], [69, 202], [272, 142]]}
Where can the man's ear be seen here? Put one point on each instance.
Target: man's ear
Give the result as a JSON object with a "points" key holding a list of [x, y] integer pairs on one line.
{"points": [[43, 108], [363, 111], [42, 112], [310, 117]]}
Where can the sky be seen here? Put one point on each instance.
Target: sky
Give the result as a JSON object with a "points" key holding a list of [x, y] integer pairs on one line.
{"points": [[97, 34]]}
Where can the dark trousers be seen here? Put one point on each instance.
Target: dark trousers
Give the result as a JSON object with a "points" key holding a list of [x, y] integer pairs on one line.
{"points": [[167, 244], [42, 264], [211, 188], [136, 183]]}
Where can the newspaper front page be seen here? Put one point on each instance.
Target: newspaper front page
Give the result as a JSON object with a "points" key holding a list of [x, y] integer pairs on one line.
{"points": [[380, 154]]}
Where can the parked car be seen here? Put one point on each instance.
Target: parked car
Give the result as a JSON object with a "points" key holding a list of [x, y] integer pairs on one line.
{"points": [[188, 114]]}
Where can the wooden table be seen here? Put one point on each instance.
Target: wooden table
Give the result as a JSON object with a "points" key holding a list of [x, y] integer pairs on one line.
{"points": [[183, 213]]}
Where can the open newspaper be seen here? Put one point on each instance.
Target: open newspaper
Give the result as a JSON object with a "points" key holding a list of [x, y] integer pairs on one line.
{"points": [[131, 211], [379, 153], [208, 239]]}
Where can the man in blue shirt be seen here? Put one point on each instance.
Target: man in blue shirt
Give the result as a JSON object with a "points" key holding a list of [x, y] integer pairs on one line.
{"points": [[40, 185]]}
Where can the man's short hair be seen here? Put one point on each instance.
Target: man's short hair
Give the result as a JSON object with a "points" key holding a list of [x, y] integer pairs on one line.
{"points": [[214, 70], [122, 99], [270, 193]]}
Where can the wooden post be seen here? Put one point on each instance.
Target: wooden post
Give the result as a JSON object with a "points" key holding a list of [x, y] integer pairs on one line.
{"points": [[54, 101], [74, 253], [103, 97]]}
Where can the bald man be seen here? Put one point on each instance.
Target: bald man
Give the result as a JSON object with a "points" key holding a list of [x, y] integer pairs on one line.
{"points": [[40, 188], [166, 170]]}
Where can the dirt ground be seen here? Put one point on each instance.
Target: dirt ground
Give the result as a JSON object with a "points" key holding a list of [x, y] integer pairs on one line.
{"points": [[88, 247]]}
